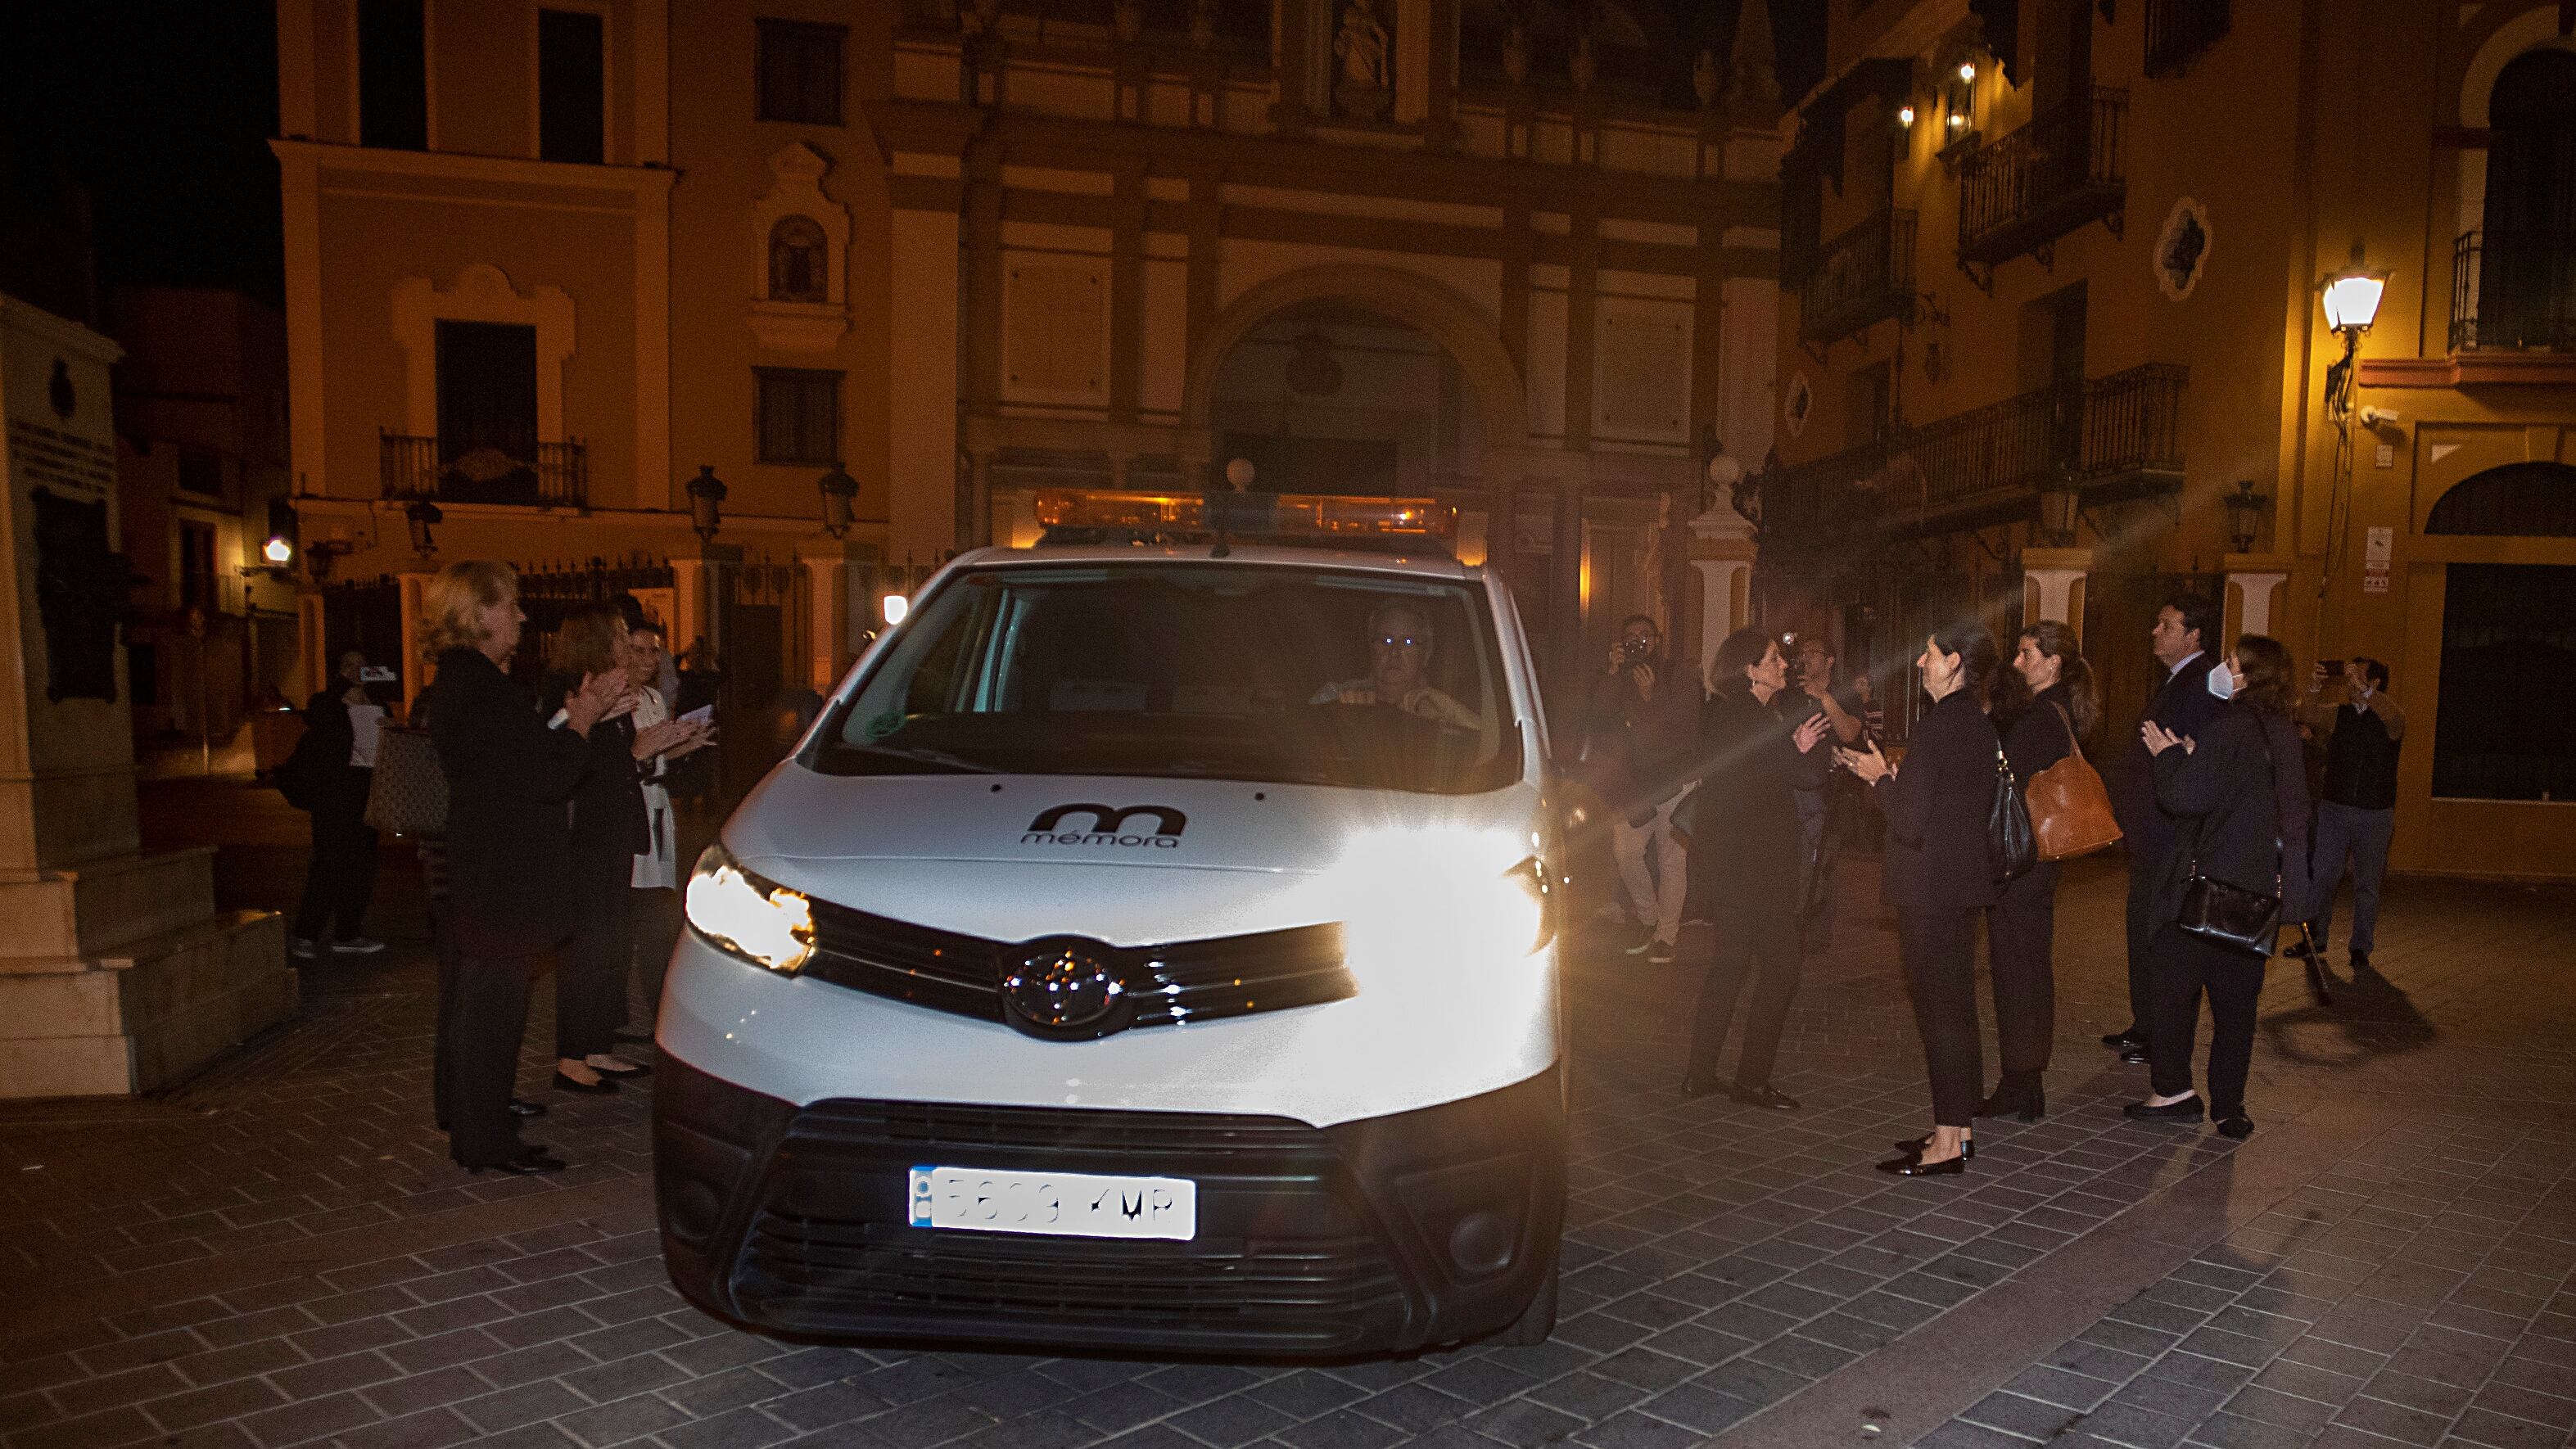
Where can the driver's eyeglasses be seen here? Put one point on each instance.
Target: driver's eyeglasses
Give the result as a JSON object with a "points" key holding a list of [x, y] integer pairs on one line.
{"points": [[1407, 641]]}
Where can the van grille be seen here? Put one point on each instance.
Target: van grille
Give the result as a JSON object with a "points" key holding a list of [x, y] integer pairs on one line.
{"points": [[1199, 980], [1287, 1260]]}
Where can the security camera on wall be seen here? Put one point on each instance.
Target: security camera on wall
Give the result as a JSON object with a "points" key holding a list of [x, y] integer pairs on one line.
{"points": [[2379, 417]]}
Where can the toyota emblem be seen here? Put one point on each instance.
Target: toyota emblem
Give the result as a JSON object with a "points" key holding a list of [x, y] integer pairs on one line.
{"points": [[1065, 990]]}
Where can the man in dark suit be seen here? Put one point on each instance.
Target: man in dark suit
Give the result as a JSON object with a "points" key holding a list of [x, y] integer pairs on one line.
{"points": [[2185, 643]]}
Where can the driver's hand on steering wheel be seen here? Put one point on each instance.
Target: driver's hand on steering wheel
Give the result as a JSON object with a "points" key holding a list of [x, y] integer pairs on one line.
{"points": [[1359, 696]]}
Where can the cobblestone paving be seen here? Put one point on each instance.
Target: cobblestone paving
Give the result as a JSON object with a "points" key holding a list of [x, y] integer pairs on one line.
{"points": [[280, 1254]]}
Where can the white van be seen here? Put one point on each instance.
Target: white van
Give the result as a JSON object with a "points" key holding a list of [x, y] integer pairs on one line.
{"points": [[1152, 946]]}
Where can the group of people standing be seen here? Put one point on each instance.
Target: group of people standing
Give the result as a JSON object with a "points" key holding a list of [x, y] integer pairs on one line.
{"points": [[1710, 791], [559, 840]]}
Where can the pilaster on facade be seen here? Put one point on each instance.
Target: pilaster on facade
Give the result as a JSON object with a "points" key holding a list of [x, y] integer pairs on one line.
{"points": [[2254, 584], [2052, 581]]}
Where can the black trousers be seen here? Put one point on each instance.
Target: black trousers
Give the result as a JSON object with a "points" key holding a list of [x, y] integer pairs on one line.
{"points": [[1940, 952], [483, 1014], [656, 930], [2021, 935], [2145, 921], [2186, 968], [342, 873], [590, 971], [1760, 939]]}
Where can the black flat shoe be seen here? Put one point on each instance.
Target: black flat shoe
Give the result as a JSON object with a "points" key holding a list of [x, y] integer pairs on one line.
{"points": [[2135, 1056], [1695, 1085], [630, 1069], [2019, 1095], [600, 1088], [1915, 1145], [531, 1162], [2189, 1109], [1766, 1096], [522, 1107], [2239, 1128], [1917, 1167], [2120, 1039]]}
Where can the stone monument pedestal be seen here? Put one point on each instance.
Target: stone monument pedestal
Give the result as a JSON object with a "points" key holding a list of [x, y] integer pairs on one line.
{"points": [[117, 974]]}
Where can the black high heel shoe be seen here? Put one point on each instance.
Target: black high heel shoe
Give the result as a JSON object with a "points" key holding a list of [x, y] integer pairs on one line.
{"points": [[532, 1161], [600, 1088], [1915, 1145]]}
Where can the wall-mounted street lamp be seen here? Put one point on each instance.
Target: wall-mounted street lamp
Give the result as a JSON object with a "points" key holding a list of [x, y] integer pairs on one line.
{"points": [[2245, 510], [321, 554], [706, 503], [2059, 508], [279, 551], [894, 607], [423, 516], [2351, 299], [839, 491], [1905, 116]]}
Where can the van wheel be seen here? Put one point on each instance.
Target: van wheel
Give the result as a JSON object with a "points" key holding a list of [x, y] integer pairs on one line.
{"points": [[1539, 1320]]}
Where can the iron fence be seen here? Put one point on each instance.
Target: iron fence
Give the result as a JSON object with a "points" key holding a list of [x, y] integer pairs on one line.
{"points": [[2514, 290], [1863, 276], [2066, 168], [484, 470]]}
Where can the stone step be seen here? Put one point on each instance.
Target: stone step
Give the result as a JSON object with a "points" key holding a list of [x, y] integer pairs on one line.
{"points": [[101, 906], [146, 1016]]}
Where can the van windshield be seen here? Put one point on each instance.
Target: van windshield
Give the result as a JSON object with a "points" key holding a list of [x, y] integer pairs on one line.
{"points": [[1304, 676]]}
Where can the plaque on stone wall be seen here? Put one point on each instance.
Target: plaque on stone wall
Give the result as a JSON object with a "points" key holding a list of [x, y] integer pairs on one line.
{"points": [[80, 596]]}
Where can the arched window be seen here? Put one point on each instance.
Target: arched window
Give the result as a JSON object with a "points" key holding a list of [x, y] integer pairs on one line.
{"points": [[2527, 500], [798, 254], [2527, 266]]}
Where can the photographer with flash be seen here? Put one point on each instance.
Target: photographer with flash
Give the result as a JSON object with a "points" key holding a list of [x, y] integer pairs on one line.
{"points": [[1640, 750]]}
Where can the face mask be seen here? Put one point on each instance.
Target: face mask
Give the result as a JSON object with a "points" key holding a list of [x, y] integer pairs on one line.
{"points": [[2222, 683]]}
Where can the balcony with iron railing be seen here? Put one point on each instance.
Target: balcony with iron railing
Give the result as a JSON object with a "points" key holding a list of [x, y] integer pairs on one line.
{"points": [[2514, 290], [2108, 437], [2067, 168], [491, 466], [1860, 278]]}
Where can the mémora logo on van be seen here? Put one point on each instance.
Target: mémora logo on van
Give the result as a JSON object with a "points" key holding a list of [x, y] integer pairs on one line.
{"points": [[1108, 827]]}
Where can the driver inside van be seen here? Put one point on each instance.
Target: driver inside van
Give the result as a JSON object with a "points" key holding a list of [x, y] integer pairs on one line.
{"points": [[1399, 643]]}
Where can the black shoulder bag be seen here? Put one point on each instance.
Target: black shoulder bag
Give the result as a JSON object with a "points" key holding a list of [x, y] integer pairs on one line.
{"points": [[2229, 915], [2010, 842]]}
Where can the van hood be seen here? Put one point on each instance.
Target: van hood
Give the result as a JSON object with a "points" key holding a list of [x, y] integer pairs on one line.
{"points": [[1121, 858]]}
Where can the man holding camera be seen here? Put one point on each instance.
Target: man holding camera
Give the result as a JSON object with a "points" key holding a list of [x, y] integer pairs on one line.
{"points": [[1644, 727]]}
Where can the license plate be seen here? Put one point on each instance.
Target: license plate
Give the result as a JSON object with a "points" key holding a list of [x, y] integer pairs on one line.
{"points": [[1062, 1204]]}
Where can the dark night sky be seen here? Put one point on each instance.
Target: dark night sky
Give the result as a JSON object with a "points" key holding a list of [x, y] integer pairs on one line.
{"points": [[162, 112]]}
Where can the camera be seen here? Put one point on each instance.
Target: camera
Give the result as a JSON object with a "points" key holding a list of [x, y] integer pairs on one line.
{"points": [[1636, 651]]}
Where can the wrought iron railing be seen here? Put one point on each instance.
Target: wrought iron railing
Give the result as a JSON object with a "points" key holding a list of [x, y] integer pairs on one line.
{"points": [[1863, 276], [485, 470], [2123, 426], [2066, 168], [2179, 30], [2514, 290]]}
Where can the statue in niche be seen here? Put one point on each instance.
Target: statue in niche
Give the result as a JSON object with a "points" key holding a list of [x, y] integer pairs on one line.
{"points": [[1366, 87]]}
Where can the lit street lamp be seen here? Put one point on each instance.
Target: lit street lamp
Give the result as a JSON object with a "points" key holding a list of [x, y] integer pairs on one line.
{"points": [[2351, 299]]}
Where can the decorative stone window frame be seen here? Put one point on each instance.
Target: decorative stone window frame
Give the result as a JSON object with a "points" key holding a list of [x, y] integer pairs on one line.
{"points": [[482, 293], [806, 327]]}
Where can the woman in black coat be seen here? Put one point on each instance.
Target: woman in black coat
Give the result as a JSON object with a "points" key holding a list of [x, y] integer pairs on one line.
{"points": [[609, 828], [509, 774], [1937, 873], [2053, 707], [342, 724], [2241, 791], [1744, 859]]}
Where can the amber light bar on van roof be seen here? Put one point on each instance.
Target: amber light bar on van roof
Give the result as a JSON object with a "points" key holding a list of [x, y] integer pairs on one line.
{"points": [[1250, 515]]}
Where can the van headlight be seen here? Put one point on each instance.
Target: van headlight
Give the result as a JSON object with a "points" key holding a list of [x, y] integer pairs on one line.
{"points": [[1418, 897], [760, 921]]}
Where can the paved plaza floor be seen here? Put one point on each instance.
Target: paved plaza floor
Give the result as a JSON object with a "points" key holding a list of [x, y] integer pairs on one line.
{"points": [[280, 1253]]}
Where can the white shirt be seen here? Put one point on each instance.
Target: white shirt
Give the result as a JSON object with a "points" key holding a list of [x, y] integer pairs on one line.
{"points": [[657, 865], [2179, 663], [366, 723]]}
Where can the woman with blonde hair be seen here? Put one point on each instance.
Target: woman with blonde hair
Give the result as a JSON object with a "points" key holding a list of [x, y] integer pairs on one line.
{"points": [[509, 776]]}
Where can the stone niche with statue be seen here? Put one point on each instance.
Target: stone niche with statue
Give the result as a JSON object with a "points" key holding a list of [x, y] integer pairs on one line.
{"points": [[117, 974]]}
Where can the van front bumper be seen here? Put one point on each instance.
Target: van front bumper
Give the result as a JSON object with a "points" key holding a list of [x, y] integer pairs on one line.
{"points": [[1385, 1234]]}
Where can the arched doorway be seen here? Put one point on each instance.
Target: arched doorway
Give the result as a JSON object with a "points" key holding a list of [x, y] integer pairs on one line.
{"points": [[1330, 396]]}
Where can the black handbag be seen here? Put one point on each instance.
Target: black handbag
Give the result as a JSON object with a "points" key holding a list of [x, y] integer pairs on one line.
{"points": [[2231, 915], [2010, 842]]}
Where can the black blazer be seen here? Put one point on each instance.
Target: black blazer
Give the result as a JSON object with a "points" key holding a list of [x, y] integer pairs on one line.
{"points": [[608, 817], [1744, 816], [2185, 706], [1937, 805], [2235, 804], [508, 779]]}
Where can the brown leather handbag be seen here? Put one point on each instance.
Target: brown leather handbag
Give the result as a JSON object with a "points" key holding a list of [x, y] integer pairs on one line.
{"points": [[2070, 810]]}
